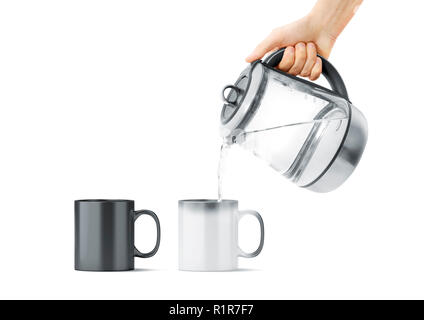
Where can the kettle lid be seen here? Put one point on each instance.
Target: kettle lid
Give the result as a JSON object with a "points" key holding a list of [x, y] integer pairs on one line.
{"points": [[242, 99]]}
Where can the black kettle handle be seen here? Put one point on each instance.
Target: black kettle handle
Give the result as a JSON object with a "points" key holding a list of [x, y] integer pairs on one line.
{"points": [[328, 70]]}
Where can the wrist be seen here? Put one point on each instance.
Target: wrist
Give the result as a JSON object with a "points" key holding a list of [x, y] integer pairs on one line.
{"points": [[330, 17], [322, 36], [321, 25]]}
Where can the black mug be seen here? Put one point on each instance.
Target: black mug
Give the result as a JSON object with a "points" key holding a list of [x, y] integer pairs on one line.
{"points": [[104, 235]]}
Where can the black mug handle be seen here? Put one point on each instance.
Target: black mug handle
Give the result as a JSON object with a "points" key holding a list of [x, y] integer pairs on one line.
{"points": [[328, 70], [155, 249]]}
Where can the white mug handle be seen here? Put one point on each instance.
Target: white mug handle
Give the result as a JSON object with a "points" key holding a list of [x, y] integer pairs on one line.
{"points": [[261, 243]]}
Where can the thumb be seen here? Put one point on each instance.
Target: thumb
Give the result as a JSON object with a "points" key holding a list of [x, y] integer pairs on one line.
{"points": [[275, 40]]}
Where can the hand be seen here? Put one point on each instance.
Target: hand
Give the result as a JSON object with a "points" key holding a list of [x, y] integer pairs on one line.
{"points": [[303, 39]]}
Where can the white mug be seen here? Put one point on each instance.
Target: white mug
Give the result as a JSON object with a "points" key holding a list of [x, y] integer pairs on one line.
{"points": [[208, 235]]}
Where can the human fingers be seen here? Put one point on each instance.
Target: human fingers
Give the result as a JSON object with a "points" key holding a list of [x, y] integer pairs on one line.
{"points": [[316, 70], [311, 57], [299, 59], [288, 59]]}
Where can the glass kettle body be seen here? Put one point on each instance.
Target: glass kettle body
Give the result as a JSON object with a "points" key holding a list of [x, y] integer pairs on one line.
{"points": [[312, 135]]}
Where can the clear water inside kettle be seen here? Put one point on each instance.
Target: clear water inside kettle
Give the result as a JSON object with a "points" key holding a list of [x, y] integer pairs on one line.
{"points": [[296, 128]]}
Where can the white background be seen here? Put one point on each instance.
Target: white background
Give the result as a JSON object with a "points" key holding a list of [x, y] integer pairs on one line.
{"points": [[121, 99]]}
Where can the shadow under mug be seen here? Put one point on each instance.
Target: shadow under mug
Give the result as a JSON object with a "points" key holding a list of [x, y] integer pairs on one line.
{"points": [[104, 235], [208, 235]]}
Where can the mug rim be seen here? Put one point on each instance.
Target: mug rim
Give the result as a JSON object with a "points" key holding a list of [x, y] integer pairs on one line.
{"points": [[207, 201], [103, 200]]}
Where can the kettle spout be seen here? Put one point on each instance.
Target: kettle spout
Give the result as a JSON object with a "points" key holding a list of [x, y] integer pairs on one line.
{"points": [[230, 140], [236, 136]]}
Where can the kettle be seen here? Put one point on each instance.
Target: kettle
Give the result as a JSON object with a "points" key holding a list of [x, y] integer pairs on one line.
{"points": [[312, 135]]}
